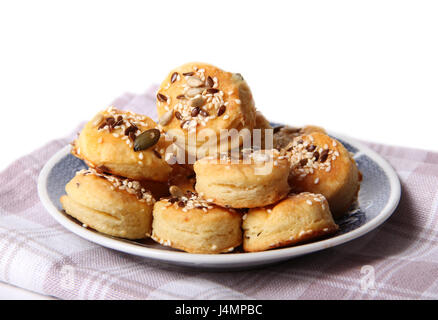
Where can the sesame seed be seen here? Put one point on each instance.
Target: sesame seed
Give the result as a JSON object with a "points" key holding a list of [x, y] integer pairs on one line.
{"points": [[309, 202], [238, 101], [316, 181]]}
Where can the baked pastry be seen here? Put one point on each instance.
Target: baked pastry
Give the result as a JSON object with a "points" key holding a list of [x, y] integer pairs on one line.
{"points": [[283, 135], [298, 218], [264, 140], [257, 179], [111, 205], [189, 223], [125, 144], [197, 96], [321, 164]]}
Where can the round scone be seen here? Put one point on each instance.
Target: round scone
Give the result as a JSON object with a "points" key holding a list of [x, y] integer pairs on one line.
{"points": [[255, 180], [111, 205], [321, 164], [283, 135], [194, 225], [125, 144], [197, 96], [298, 218]]}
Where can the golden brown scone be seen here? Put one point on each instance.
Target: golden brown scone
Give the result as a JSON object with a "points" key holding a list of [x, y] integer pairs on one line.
{"points": [[111, 205], [283, 135], [194, 225], [321, 164], [198, 96], [257, 180], [298, 218], [107, 144]]}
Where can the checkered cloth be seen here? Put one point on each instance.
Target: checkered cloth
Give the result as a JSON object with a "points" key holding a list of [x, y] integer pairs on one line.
{"points": [[38, 254]]}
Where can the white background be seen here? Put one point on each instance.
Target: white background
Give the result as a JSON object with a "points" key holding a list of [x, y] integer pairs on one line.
{"points": [[367, 69]]}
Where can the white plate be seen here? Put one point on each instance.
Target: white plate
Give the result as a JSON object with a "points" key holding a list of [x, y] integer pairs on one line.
{"points": [[378, 198]]}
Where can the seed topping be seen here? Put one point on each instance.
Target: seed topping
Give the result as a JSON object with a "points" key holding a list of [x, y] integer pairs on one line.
{"points": [[131, 186]]}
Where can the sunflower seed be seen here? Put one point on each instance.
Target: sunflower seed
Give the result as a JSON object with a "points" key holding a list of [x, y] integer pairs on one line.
{"points": [[165, 118], [97, 120], [194, 91], [194, 82]]}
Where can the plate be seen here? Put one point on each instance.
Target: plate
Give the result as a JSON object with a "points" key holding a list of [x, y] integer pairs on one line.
{"points": [[378, 198]]}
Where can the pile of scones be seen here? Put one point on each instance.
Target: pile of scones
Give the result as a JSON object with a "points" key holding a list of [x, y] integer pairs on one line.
{"points": [[267, 196]]}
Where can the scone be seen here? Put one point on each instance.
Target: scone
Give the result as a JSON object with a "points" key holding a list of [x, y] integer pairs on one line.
{"points": [[283, 135], [298, 218], [125, 144], [262, 136], [194, 225], [111, 205], [321, 164], [258, 179], [197, 96]]}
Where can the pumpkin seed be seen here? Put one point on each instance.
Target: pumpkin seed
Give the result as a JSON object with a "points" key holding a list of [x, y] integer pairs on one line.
{"points": [[194, 82], [146, 139], [165, 118]]}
